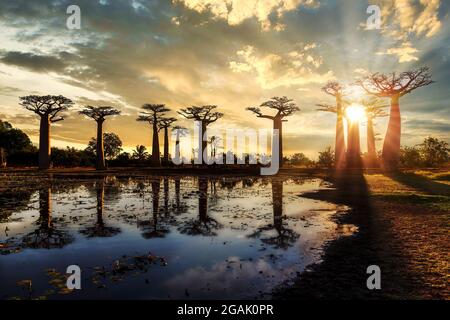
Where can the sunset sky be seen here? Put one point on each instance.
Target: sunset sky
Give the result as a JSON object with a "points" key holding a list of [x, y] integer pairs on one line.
{"points": [[231, 53]]}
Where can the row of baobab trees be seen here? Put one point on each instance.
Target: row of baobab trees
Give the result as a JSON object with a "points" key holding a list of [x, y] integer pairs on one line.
{"points": [[376, 86]]}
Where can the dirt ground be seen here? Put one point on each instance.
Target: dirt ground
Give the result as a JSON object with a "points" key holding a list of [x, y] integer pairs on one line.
{"points": [[404, 228]]}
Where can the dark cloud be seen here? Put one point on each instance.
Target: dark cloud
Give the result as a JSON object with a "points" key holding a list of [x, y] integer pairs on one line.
{"points": [[39, 63]]}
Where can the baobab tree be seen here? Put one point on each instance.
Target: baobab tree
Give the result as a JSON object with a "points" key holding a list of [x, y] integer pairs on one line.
{"points": [[394, 86], [179, 132], [153, 115], [374, 109], [353, 114], [48, 108], [165, 124], [214, 142], [99, 114], [284, 107], [336, 90], [205, 115]]}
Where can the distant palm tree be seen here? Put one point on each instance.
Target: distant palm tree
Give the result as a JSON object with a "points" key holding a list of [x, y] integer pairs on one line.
{"points": [[214, 142], [140, 153], [99, 114]]}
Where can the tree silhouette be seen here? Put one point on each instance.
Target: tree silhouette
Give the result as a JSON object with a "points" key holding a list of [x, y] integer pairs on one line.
{"points": [[214, 142], [180, 132], [394, 86], [99, 114], [153, 115], [111, 142], [285, 107], [48, 108], [140, 153], [374, 109], [205, 115], [336, 90], [165, 124]]}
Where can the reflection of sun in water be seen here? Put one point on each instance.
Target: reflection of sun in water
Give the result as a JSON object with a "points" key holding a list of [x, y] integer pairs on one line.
{"points": [[355, 112]]}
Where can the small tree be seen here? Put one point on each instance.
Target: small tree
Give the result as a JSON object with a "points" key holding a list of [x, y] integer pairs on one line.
{"points": [[394, 86], [99, 114], [284, 108], [153, 115], [300, 159], [410, 157], [206, 115], [434, 152], [326, 158], [165, 124], [112, 145], [48, 108]]}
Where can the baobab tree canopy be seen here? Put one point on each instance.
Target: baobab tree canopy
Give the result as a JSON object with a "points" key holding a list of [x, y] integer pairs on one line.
{"points": [[99, 113], [205, 114], [48, 105], [333, 88], [388, 85], [284, 106]]}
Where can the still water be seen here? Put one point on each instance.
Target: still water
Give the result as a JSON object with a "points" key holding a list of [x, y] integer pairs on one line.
{"points": [[162, 237]]}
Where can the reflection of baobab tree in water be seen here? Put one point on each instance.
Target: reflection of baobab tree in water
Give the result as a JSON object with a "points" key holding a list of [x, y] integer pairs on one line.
{"points": [[100, 229], [155, 228], [205, 225], [46, 236], [284, 237]]}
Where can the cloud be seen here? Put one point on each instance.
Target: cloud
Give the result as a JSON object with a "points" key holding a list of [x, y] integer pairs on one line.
{"points": [[31, 61], [237, 11], [405, 53], [403, 18], [297, 68]]}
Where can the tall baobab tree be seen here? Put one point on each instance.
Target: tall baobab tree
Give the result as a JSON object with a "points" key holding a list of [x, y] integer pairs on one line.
{"points": [[336, 90], [153, 115], [374, 109], [394, 86], [165, 124], [284, 107], [99, 114], [48, 108], [353, 115], [205, 115]]}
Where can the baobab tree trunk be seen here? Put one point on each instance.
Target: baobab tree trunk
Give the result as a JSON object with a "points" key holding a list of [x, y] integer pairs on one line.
{"points": [[100, 147], [166, 146], [44, 143], [156, 159], [277, 203], [278, 125], [177, 146], [391, 146], [45, 208], [353, 148], [340, 140], [203, 199], [371, 147], [204, 142]]}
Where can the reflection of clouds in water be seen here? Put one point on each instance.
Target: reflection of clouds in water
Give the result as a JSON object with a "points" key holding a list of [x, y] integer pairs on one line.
{"points": [[237, 278]]}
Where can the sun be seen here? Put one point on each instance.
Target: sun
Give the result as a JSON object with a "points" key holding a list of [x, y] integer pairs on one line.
{"points": [[355, 112]]}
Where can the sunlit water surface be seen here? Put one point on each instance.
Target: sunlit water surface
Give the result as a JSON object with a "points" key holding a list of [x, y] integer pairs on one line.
{"points": [[162, 237]]}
